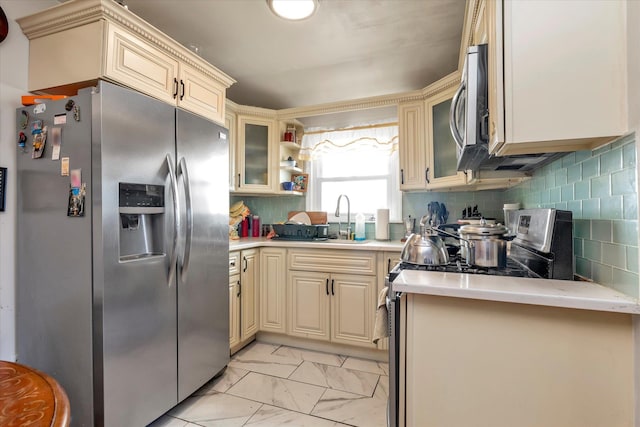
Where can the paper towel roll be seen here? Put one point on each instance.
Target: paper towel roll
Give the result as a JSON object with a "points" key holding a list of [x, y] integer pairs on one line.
{"points": [[382, 224]]}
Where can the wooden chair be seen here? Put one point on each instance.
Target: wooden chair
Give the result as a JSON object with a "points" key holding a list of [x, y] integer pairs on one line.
{"points": [[31, 397]]}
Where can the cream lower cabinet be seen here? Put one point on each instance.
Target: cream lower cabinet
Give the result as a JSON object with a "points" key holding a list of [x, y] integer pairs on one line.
{"points": [[234, 310], [243, 297], [332, 307], [273, 290], [332, 296], [514, 365]]}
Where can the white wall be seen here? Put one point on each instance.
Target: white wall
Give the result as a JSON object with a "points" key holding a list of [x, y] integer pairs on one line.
{"points": [[13, 84]]}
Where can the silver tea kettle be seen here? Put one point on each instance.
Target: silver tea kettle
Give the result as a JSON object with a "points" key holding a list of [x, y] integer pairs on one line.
{"points": [[426, 247]]}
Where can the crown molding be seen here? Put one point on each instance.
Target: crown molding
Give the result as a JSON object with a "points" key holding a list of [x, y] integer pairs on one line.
{"points": [[254, 111], [350, 105], [73, 14], [289, 114], [471, 16]]}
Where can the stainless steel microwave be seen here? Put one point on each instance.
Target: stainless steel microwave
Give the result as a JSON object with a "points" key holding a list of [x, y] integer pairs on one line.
{"points": [[469, 114]]}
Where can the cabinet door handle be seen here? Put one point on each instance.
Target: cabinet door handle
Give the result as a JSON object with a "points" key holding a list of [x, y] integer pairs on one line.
{"points": [[388, 265], [238, 180], [239, 288], [182, 94], [246, 264], [332, 287], [401, 176], [326, 286], [232, 262], [175, 88], [426, 176]]}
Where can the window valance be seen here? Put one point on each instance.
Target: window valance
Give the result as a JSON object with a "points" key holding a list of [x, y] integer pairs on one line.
{"points": [[378, 137]]}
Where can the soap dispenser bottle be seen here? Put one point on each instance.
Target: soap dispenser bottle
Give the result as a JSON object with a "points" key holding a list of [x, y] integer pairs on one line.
{"points": [[359, 227]]}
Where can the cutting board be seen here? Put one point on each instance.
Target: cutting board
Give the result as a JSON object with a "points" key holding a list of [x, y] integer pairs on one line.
{"points": [[316, 217]]}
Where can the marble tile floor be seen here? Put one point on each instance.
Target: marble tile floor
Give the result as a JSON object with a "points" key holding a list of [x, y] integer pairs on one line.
{"points": [[272, 385]]}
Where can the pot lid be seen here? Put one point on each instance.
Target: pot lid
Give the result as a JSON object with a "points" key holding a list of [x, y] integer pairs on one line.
{"points": [[484, 229]]}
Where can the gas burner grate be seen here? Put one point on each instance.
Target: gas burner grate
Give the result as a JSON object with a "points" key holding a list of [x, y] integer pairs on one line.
{"points": [[512, 269]]}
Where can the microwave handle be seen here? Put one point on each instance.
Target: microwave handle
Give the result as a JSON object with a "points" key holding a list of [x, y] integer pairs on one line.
{"points": [[452, 116]]}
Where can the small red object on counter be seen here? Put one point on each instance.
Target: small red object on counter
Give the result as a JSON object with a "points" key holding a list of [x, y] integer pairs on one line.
{"points": [[255, 226], [244, 228]]}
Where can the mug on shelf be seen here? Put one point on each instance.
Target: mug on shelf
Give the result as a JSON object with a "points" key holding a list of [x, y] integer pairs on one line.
{"points": [[287, 186]]}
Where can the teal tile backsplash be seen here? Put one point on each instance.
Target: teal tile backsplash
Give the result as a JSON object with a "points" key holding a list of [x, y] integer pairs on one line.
{"points": [[600, 188]]}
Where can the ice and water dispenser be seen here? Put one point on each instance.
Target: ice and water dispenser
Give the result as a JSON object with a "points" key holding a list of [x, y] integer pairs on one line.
{"points": [[141, 208]]}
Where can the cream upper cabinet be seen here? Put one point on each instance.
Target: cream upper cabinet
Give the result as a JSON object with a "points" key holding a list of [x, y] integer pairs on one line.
{"points": [[256, 158], [412, 145], [138, 64], [199, 94], [273, 288], [83, 41], [557, 74]]}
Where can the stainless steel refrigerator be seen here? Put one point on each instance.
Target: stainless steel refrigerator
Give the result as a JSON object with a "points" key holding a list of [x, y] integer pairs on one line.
{"points": [[122, 269]]}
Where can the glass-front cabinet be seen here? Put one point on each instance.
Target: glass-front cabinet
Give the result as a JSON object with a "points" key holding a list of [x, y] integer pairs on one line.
{"points": [[428, 158], [255, 155], [442, 160]]}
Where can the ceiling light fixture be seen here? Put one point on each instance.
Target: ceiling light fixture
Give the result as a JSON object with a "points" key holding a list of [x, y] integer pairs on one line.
{"points": [[294, 10]]}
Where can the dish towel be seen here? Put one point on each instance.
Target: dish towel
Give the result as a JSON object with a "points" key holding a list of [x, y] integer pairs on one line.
{"points": [[381, 326]]}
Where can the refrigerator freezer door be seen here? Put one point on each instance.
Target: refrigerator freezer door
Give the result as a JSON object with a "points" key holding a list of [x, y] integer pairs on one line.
{"points": [[53, 291], [135, 304], [203, 288]]}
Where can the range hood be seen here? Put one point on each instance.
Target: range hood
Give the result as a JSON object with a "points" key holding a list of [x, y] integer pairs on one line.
{"points": [[521, 163]]}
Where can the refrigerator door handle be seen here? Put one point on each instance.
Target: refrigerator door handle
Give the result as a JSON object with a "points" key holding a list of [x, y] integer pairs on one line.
{"points": [[176, 221], [184, 262]]}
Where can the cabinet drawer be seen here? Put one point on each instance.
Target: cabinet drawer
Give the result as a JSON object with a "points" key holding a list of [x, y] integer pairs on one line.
{"points": [[234, 263], [353, 262]]}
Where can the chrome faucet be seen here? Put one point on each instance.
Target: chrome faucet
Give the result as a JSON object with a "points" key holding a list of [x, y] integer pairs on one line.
{"points": [[347, 234]]}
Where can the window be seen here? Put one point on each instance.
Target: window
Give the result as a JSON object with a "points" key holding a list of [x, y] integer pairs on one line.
{"points": [[360, 169]]}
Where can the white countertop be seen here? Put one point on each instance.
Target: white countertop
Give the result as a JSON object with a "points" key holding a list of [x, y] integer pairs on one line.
{"points": [[367, 245], [554, 293]]}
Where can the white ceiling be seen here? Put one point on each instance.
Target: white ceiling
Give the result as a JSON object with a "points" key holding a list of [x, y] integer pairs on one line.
{"points": [[348, 49]]}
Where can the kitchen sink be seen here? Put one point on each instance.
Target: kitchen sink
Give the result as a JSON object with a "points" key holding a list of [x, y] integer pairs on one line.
{"points": [[353, 242]]}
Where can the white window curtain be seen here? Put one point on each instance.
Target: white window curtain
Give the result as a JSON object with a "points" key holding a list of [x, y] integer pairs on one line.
{"points": [[363, 139], [361, 162]]}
